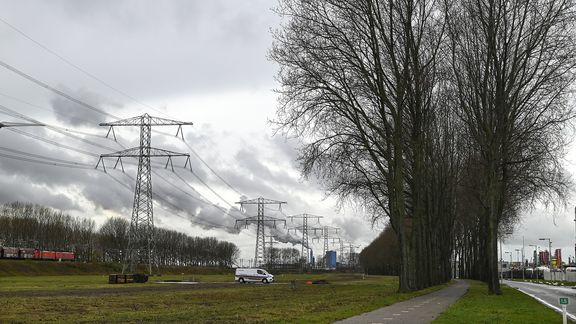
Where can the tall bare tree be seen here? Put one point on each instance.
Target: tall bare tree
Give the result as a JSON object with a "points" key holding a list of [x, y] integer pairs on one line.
{"points": [[360, 84], [513, 65]]}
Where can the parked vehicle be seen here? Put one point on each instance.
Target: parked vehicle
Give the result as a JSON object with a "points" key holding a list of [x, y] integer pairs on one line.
{"points": [[244, 275], [35, 254]]}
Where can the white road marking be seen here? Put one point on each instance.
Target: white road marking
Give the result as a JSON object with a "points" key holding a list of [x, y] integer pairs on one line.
{"points": [[548, 304]]}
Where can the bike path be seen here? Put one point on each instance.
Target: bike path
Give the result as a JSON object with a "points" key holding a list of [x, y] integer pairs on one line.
{"points": [[421, 309]]}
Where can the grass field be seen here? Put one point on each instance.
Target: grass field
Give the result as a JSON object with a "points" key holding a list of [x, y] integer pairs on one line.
{"points": [[33, 292], [84, 298], [511, 307]]}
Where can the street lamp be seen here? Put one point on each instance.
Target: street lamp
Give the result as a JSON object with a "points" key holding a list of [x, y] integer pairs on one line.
{"points": [[510, 268], [501, 260], [549, 251], [534, 256]]}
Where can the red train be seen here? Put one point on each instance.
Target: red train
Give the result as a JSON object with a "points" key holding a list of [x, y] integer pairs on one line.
{"points": [[35, 254]]}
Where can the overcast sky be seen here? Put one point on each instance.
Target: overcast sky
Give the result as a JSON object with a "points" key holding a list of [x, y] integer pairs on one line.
{"points": [[198, 61]]}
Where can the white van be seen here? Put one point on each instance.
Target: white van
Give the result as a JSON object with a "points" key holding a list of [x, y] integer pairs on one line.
{"points": [[251, 274]]}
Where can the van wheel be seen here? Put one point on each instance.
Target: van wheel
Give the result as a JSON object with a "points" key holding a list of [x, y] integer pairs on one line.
{"points": [[265, 281], [241, 280]]}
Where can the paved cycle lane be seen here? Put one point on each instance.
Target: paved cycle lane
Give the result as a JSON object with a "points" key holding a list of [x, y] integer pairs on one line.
{"points": [[422, 309]]}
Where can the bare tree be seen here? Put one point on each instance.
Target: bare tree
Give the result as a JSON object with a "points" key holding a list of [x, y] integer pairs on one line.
{"points": [[513, 65], [360, 85]]}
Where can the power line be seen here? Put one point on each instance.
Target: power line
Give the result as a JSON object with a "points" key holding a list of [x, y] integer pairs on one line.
{"points": [[45, 140], [10, 112], [78, 68], [86, 105], [73, 165], [75, 66], [37, 156], [159, 197], [38, 106], [212, 170], [56, 91], [202, 198]]}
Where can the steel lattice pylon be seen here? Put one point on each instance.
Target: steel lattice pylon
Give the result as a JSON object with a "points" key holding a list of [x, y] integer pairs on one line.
{"points": [[304, 230], [140, 249], [260, 220]]}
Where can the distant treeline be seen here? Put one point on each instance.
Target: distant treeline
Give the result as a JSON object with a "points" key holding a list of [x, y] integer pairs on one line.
{"points": [[382, 256], [28, 225]]}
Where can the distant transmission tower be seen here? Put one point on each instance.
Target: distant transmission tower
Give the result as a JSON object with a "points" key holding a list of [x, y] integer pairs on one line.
{"points": [[260, 220], [141, 248], [304, 230], [351, 258], [271, 249], [326, 230]]}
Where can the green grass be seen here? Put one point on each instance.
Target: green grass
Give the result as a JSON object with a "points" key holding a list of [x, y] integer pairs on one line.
{"points": [[513, 306], [346, 295]]}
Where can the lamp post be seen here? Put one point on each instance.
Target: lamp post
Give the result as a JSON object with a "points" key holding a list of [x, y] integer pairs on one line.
{"points": [[549, 251], [501, 260], [510, 268], [534, 256]]}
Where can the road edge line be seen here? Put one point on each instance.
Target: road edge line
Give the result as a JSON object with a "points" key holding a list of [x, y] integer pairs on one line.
{"points": [[542, 301]]}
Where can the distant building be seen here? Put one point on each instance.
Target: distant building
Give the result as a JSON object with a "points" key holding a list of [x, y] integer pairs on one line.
{"points": [[558, 256], [544, 257], [330, 259]]}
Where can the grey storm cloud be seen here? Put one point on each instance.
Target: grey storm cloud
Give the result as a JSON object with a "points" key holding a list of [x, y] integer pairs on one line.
{"points": [[114, 42], [159, 53]]}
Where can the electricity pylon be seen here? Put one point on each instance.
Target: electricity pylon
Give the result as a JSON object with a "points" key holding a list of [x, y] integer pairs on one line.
{"points": [[304, 230], [260, 220], [271, 247], [141, 248], [351, 260], [325, 230]]}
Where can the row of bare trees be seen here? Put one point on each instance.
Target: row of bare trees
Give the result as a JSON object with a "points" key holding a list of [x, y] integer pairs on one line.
{"points": [[27, 225], [445, 118], [33, 226]]}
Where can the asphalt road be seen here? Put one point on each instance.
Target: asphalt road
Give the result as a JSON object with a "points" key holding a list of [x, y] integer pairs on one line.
{"points": [[548, 295]]}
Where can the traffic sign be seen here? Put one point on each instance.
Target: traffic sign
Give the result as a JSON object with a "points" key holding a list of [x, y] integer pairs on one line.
{"points": [[564, 300]]}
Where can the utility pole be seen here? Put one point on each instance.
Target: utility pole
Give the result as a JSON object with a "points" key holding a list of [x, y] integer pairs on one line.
{"points": [[260, 220], [304, 229], [141, 248]]}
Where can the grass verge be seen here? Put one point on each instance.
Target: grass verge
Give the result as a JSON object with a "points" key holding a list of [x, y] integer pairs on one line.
{"points": [[513, 306], [346, 295]]}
